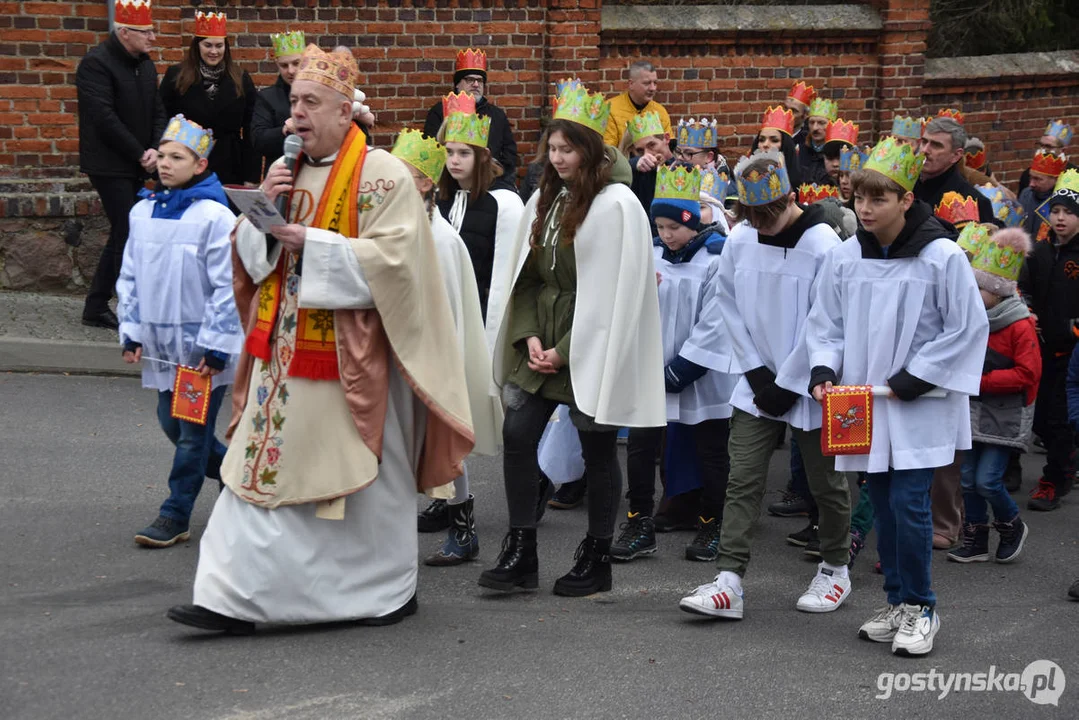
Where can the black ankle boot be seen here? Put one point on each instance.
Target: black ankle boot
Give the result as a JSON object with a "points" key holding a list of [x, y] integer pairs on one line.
{"points": [[592, 571], [518, 564]]}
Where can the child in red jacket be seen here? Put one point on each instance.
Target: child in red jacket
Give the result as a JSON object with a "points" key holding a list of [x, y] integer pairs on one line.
{"points": [[1002, 417]]}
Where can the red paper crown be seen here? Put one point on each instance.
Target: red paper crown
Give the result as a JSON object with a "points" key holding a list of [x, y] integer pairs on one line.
{"points": [[471, 60], [133, 14], [809, 194], [976, 161], [840, 130], [458, 103], [952, 113], [1049, 163], [210, 25], [957, 209], [780, 119], [802, 93]]}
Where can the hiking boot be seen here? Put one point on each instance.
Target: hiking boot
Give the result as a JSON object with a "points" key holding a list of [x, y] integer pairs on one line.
{"points": [[792, 505], [717, 599], [591, 571], [812, 548], [162, 533], [678, 513], [461, 544], [1013, 476], [569, 495], [435, 518], [546, 492], [1043, 497], [803, 536], [1073, 591], [518, 564], [637, 537], [882, 627], [826, 592], [199, 617], [705, 547], [918, 625], [857, 542], [975, 547], [1012, 536]]}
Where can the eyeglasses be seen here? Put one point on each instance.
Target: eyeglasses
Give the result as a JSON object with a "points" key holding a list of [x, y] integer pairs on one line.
{"points": [[473, 79], [140, 32], [689, 154]]}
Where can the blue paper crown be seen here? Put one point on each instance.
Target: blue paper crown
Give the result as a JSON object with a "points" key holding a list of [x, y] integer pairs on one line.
{"points": [[852, 159], [1005, 209], [1060, 131], [757, 188], [191, 135], [560, 85], [697, 133], [715, 181], [909, 128]]}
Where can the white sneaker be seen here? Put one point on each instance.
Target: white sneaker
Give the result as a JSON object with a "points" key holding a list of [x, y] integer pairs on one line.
{"points": [[883, 626], [716, 599], [826, 592], [918, 625]]}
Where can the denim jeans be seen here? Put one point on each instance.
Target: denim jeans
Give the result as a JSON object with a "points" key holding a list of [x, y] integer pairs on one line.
{"points": [[983, 484], [198, 454], [904, 524]]}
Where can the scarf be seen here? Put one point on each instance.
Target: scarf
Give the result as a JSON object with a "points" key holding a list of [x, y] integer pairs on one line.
{"points": [[171, 203], [1008, 311], [211, 77], [316, 343], [458, 209], [552, 224]]}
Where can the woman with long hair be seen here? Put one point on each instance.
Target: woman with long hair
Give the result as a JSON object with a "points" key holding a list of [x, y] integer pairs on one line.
{"points": [[210, 89], [776, 133], [581, 328]]}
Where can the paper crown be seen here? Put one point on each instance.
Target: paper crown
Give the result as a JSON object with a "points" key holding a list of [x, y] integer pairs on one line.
{"points": [[802, 93], [779, 118], [1006, 209], [422, 153], [957, 209], [191, 135], [841, 131], [645, 125], [561, 86], [972, 237], [852, 159], [1067, 187], [823, 107], [910, 128], [679, 183], [1001, 256], [134, 14], [457, 102], [975, 160], [896, 161], [471, 60], [578, 105], [1060, 131], [760, 188], [336, 70], [1049, 163], [714, 182], [210, 25], [811, 193], [287, 43], [467, 128], [952, 113], [697, 133]]}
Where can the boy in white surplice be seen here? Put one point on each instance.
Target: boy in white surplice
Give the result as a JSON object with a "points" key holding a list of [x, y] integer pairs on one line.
{"points": [[897, 305]]}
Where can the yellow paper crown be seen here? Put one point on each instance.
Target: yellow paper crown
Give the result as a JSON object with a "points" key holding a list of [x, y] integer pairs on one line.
{"points": [[467, 128], [972, 237], [578, 105], [336, 70], [823, 107], [680, 183], [422, 153], [645, 125], [287, 43], [896, 161]]}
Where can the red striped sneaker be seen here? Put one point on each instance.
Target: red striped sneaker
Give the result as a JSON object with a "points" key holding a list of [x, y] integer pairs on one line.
{"points": [[826, 592], [716, 599]]}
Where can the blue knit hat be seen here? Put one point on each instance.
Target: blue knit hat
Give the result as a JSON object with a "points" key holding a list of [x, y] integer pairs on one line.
{"points": [[686, 212]]}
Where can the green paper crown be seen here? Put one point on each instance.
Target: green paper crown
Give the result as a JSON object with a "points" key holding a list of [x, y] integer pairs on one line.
{"points": [[822, 107], [896, 161], [973, 238], [578, 105], [470, 129], [680, 183], [1001, 260], [288, 43], [645, 125], [422, 153]]}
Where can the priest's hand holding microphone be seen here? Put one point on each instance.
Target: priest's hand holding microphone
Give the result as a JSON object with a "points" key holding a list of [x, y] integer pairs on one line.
{"points": [[277, 186]]}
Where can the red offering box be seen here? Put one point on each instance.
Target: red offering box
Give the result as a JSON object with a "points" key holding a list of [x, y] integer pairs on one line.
{"points": [[190, 396], [847, 426]]}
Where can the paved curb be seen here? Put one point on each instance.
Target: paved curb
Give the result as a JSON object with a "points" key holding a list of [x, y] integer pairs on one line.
{"points": [[19, 354]]}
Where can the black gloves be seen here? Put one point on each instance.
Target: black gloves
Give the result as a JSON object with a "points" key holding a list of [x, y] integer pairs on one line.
{"points": [[681, 373], [768, 396], [907, 387]]}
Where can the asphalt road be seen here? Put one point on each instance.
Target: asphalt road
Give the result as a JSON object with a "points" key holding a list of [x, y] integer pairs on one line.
{"points": [[83, 632]]}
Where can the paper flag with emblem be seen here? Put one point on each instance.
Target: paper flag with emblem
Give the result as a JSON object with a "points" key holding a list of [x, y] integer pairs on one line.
{"points": [[847, 425], [190, 395]]}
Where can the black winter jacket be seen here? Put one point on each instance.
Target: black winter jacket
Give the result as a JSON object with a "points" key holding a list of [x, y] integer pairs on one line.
{"points": [[120, 111], [500, 142], [931, 190], [478, 231], [1049, 283], [272, 109]]}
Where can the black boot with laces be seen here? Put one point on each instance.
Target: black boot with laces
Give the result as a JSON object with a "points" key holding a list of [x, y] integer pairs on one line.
{"points": [[518, 564], [591, 572]]}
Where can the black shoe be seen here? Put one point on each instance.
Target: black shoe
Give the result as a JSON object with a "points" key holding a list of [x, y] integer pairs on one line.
{"points": [[975, 547], [812, 547], [435, 518], [569, 495], [104, 319], [638, 537], [546, 491], [591, 571], [409, 608], [678, 513], [1013, 476], [1044, 497], [803, 536], [792, 505], [705, 547], [162, 533], [1073, 591], [1012, 536], [518, 564], [203, 619]]}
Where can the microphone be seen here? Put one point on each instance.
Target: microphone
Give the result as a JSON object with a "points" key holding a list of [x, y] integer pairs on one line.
{"points": [[293, 147]]}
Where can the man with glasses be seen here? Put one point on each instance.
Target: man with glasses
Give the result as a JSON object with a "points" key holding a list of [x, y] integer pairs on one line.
{"points": [[470, 76], [1056, 137], [121, 119]]}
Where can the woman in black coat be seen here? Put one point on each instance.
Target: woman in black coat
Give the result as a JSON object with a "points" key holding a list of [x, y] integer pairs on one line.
{"points": [[215, 93]]}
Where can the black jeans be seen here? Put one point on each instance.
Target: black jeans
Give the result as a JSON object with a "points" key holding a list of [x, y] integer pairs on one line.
{"points": [[117, 195], [526, 419], [1051, 420], [710, 438]]}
